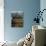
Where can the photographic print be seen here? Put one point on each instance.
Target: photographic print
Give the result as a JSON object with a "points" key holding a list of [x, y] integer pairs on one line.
{"points": [[17, 19]]}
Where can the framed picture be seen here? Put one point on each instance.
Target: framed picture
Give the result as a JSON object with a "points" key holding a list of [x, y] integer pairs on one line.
{"points": [[17, 19]]}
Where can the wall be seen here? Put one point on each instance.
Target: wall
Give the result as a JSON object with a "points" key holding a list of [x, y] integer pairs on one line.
{"points": [[29, 7], [43, 6]]}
